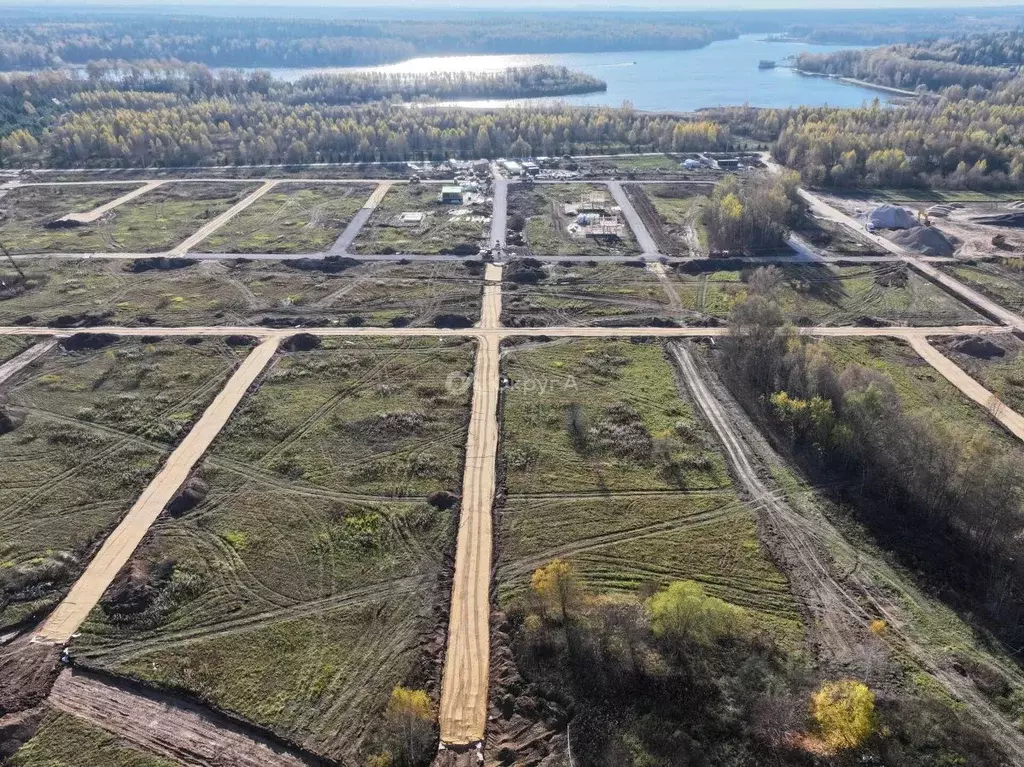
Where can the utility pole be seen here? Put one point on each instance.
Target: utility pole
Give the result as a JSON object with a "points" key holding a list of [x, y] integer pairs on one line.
{"points": [[14, 263]]}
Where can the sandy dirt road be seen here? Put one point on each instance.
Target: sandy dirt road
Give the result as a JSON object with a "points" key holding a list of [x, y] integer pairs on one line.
{"points": [[97, 213], [205, 231], [1009, 418], [674, 302], [463, 714], [643, 237], [499, 214], [118, 547], [159, 724], [500, 332], [26, 358]]}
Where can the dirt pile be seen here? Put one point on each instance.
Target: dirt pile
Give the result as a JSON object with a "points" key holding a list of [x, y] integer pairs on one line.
{"points": [[891, 217], [926, 240], [976, 346], [1014, 219], [27, 672]]}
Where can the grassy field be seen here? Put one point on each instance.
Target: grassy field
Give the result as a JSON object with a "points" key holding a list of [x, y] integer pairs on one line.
{"points": [[12, 346], [154, 222], [585, 294], [67, 741], [92, 427], [920, 387], [832, 295], [293, 218], [933, 195], [303, 584], [440, 232], [678, 208], [88, 292], [642, 500], [1001, 280], [541, 207]]}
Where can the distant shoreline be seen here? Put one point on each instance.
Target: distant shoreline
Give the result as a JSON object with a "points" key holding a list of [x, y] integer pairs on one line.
{"points": [[861, 83]]}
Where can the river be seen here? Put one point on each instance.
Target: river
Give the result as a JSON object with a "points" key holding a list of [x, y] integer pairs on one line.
{"points": [[724, 73]]}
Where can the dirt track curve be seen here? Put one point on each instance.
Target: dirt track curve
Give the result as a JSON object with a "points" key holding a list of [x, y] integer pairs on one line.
{"points": [[206, 230], [118, 547], [463, 715]]}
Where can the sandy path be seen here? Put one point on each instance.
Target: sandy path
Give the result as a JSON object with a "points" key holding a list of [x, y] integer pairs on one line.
{"points": [[1011, 419], [643, 237], [118, 547], [97, 213], [162, 725], [212, 226], [26, 358], [674, 302], [463, 715]]}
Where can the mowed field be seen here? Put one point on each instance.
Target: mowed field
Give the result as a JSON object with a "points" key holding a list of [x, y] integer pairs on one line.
{"points": [[871, 294], [607, 465], [541, 209], [303, 578], [152, 223], [293, 218], [73, 293], [581, 293], [438, 232], [87, 427]]}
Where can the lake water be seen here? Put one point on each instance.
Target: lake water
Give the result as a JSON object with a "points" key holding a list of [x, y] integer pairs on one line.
{"points": [[722, 74]]}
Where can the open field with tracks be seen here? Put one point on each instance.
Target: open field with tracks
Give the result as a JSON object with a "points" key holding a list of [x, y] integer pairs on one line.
{"points": [[152, 223], [1001, 280], [672, 213], [92, 425], [305, 579], [581, 293], [809, 294], [111, 292], [293, 218], [635, 494]]}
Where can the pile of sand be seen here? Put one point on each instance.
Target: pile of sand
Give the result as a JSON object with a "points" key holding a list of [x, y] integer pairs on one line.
{"points": [[926, 240], [891, 217]]}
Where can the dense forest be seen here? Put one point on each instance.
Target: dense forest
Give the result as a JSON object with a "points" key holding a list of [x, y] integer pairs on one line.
{"points": [[982, 60], [159, 114], [277, 42]]}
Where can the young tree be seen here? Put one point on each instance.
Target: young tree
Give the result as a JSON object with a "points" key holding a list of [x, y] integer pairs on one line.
{"points": [[410, 726], [844, 712], [557, 586], [684, 612]]}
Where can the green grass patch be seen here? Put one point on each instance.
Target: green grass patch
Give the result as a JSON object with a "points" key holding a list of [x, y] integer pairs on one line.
{"points": [[64, 740], [293, 218]]}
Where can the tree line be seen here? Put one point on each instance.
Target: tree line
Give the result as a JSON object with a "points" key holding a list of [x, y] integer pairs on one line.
{"points": [[948, 502], [754, 213]]}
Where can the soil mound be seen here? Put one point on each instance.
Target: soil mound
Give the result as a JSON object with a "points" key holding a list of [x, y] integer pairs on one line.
{"points": [[979, 347], [1014, 219], [926, 240], [891, 217]]}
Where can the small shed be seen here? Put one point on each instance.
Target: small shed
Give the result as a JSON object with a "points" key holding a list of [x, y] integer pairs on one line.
{"points": [[412, 218], [451, 195]]}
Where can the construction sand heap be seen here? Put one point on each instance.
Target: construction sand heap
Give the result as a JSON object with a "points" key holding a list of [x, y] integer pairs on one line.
{"points": [[926, 240], [891, 217]]}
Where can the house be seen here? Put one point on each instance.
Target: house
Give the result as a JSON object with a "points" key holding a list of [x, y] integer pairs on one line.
{"points": [[513, 168], [451, 195], [531, 168]]}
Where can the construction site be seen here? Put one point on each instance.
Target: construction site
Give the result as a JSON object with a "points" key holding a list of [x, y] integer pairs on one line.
{"points": [[435, 485]]}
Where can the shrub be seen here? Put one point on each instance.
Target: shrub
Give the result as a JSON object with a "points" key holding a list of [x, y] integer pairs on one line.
{"points": [[684, 611], [844, 712]]}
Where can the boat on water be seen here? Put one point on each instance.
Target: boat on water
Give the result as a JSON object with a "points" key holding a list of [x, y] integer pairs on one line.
{"points": [[766, 64]]}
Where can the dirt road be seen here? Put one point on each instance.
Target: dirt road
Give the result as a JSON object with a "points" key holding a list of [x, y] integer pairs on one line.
{"points": [[211, 227], [674, 302], [647, 244], [501, 332], [26, 358], [118, 547], [499, 215], [463, 716], [98, 213], [160, 724], [1009, 418]]}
